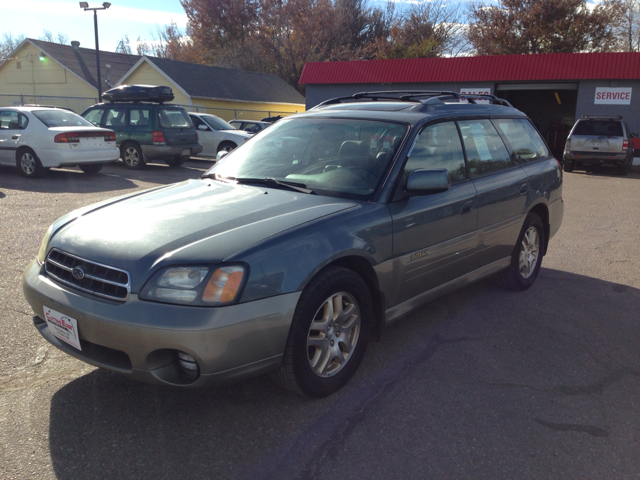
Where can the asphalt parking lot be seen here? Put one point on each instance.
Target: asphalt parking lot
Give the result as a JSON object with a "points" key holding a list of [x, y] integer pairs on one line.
{"points": [[481, 383]]}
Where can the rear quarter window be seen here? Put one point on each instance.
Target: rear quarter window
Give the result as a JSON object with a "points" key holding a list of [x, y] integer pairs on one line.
{"points": [[602, 128], [174, 118], [523, 139]]}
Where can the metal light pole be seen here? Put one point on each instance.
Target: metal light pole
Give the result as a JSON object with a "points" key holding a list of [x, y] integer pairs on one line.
{"points": [[104, 6]]}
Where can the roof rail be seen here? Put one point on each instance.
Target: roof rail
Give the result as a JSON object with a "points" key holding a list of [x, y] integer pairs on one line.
{"points": [[602, 116], [413, 96]]}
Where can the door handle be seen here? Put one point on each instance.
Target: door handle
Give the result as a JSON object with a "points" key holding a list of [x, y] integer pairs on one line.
{"points": [[466, 207], [524, 188], [15, 137]]}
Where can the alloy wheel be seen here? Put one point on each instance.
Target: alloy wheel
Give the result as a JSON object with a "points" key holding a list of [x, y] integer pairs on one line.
{"points": [[529, 252]]}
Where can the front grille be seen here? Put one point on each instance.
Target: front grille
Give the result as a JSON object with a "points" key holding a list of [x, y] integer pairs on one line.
{"points": [[97, 279]]}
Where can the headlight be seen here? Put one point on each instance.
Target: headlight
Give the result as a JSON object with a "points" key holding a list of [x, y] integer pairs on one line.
{"points": [[195, 285], [42, 253]]}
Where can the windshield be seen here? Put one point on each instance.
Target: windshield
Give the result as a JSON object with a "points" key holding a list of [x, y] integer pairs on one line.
{"points": [[335, 157], [174, 118], [61, 118], [217, 123]]}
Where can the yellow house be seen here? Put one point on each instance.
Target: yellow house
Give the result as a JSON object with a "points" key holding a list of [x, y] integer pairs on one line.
{"points": [[37, 70], [227, 92]]}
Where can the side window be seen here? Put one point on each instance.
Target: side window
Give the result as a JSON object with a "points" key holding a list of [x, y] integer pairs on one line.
{"points": [[438, 146], [485, 150], [524, 140], [252, 128], [94, 116], [116, 117], [139, 117], [9, 120], [197, 122]]}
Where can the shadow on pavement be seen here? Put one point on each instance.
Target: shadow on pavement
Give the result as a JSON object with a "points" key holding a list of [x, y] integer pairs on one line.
{"points": [[112, 177], [480, 383]]}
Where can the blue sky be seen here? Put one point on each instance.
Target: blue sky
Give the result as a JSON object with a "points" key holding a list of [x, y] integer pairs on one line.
{"points": [[124, 17]]}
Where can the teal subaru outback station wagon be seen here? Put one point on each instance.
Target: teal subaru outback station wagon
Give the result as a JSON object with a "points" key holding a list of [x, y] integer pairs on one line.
{"points": [[297, 248]]}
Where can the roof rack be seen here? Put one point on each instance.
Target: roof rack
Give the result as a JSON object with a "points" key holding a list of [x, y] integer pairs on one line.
{"points": [[414, 96]]}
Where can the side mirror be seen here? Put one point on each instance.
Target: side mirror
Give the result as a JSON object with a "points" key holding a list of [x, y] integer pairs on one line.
{"points": [[221, 154], [425, 182], [634, 135], [204, 128]]}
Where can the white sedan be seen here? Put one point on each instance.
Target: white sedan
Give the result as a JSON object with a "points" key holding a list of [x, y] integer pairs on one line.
{"points": [[216, 135], [35, 139]]}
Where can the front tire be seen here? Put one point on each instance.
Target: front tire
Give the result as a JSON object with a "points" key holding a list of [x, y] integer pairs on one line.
{"points": [[329, 334], [131, 155], [29, 164], [526, 258], [226, 146], [91, 168]]}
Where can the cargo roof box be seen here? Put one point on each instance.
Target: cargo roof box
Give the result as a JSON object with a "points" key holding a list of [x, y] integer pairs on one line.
{"points": [[139, 93]]}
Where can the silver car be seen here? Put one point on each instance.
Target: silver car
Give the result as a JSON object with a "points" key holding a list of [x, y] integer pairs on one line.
{"points": [[300, 245], [599, 139]]}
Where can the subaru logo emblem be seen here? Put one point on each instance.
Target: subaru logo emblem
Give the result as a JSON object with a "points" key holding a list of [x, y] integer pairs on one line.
{"points": [[77, 273]]}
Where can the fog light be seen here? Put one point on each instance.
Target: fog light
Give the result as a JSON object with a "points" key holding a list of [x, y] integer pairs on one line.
{"points": [[188, 365]]}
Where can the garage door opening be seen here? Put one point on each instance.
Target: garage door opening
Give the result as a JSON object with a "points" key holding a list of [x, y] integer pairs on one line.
{"points": [[551, 107]]}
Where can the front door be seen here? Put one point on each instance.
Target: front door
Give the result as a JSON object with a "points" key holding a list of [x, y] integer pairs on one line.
{"points": [[434, 235]]}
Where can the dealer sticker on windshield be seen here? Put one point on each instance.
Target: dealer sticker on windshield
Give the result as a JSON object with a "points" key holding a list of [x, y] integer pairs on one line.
{"points": [[63, 327]]}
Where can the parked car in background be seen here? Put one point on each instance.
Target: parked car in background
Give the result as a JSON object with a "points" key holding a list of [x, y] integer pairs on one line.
{"points": [[597, 140], [251, 126], [146, 131], [216, 135], [293, 251], [35, 139]]}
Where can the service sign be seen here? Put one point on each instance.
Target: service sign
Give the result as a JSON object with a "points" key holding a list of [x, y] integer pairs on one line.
{"points": [[612, 96], [483, 91]]}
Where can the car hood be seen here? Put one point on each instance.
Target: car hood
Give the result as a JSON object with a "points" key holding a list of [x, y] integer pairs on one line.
{"points": [[201, 221]]}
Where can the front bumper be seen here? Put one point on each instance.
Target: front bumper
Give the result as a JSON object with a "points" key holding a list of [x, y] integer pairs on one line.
{"points": [[141, 339], [158, 152]]}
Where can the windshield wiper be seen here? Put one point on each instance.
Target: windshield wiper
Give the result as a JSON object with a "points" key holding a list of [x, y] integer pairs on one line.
{"points": [[269, 182], [272, 182]]}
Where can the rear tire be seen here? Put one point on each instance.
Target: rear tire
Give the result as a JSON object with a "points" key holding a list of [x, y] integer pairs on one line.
{"points": [[568, 166], [527, 255], [91, 168], [329, 334], [625, 168], [175, 161], [131, 155], [29, 164]]}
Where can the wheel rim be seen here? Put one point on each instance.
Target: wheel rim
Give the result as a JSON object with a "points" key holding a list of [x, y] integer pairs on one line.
{"points": [[131, 156], [227, 148], [28, 163], [529, 250], [333, 334]]}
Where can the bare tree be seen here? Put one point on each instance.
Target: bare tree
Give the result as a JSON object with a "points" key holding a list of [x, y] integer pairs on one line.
{"points": [[628, 27], [60, 38], [8, 43]]}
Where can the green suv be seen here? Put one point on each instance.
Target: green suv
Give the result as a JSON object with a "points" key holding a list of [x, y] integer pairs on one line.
{"points": [[147, 132]]}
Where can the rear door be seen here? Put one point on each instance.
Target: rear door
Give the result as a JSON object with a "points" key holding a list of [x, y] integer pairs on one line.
{"points": [[434, 235], [12, 124], [502, 188]]}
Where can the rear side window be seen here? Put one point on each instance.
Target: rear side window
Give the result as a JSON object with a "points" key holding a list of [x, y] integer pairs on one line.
{"points": [[174, 118], [485, 150], [438, 146], [602, 128], [10, 120], [116, 117], [139, 117], [524, 140]]}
